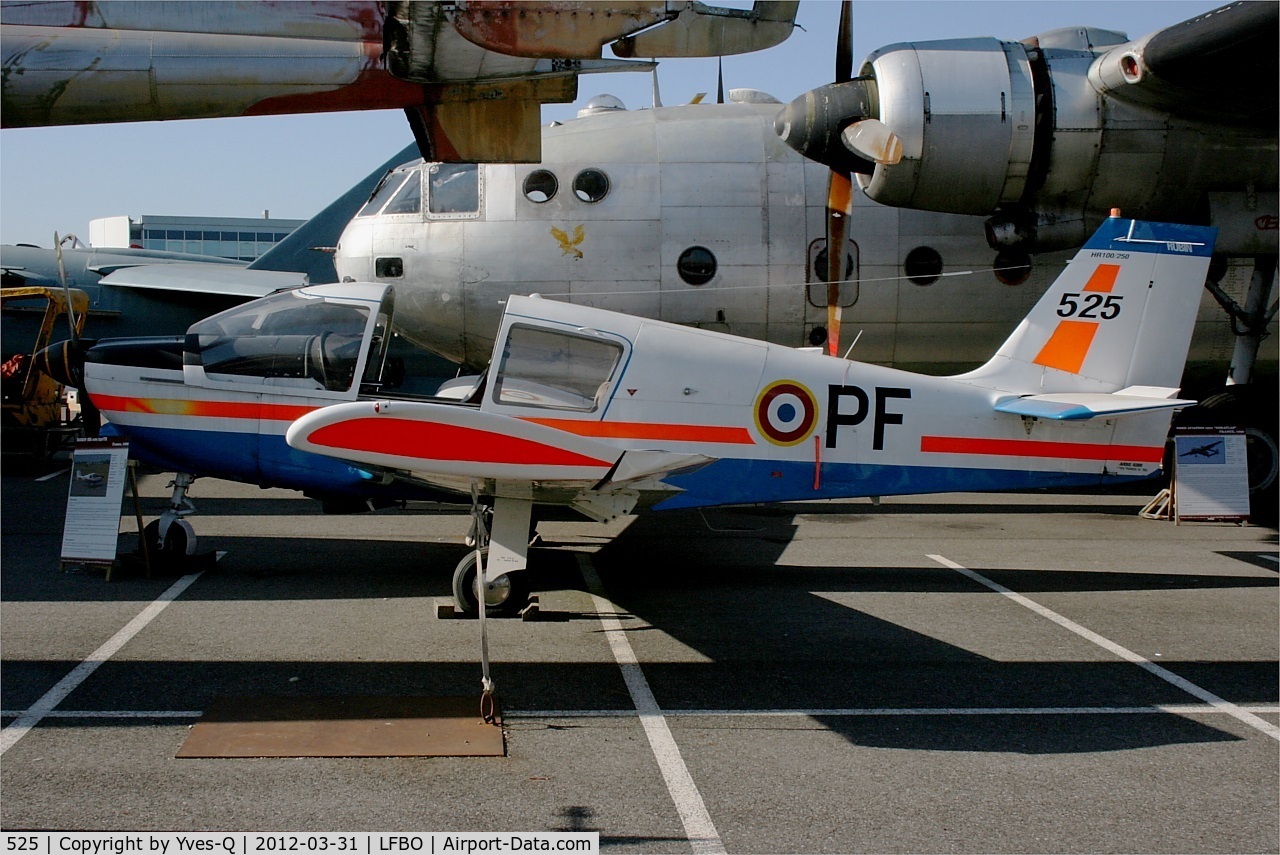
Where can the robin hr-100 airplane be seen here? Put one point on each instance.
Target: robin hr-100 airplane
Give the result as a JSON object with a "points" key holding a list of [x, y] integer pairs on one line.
{"points": [[606, 413]]}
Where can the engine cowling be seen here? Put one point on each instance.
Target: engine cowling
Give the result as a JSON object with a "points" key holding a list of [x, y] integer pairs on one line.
{"points": [[1043, 137]]}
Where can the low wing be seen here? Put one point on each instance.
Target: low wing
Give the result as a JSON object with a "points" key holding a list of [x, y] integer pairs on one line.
{"points": [[429, 438]]}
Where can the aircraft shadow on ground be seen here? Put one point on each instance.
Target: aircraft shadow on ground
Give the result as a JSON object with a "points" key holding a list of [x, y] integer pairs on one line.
{"points": [[766, 642]]}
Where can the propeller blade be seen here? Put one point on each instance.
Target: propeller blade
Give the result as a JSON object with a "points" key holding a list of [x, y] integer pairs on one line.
{"points": [[844, 43], [839, 207], [839, 192], [62, 277], [872, 139]]}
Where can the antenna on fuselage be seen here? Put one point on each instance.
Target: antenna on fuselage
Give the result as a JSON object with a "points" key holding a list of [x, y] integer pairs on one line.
{"points": [[657, 96]]}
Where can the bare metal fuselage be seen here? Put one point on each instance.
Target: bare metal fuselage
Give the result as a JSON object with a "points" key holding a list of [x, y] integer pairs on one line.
{"points": [[715, 177]]}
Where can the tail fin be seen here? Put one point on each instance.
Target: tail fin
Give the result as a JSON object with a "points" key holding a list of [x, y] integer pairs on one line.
{"points": [[1119, 316]]}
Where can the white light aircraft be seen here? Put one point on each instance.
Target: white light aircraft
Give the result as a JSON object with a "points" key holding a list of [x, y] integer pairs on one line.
{"points": [[608, 413]]}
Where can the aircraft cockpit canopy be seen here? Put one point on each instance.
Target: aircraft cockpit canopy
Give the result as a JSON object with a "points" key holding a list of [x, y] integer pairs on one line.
{"points": [[297, 339]]}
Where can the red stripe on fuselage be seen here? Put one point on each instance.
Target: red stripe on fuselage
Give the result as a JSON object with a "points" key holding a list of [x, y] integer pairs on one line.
{"points": [[1038, 448], [434, 441], [648, 430]]}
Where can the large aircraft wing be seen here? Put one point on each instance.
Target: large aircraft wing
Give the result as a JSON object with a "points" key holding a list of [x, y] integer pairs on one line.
{"points": [[208, 279], [1222, 66], [471, 75]]}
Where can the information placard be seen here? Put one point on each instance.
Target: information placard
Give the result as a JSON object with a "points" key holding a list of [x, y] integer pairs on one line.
{"points": [[1211, 474], [99, 469]]}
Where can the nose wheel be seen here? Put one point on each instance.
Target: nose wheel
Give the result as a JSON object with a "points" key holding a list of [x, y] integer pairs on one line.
{"points": [[177, 540], [503, 596]]}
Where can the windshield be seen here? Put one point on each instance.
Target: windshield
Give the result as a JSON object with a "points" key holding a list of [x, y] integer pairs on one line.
{"points": [[289, 336]]}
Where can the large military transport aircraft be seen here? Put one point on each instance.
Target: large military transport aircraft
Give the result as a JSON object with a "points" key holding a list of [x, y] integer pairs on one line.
{"points": [[605, 413]]}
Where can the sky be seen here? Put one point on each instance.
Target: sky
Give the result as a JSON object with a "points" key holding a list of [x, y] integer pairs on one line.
{"points": [[57, 179]]}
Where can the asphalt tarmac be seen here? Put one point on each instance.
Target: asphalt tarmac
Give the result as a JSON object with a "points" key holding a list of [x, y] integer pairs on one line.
{"points": [[962, 673]]}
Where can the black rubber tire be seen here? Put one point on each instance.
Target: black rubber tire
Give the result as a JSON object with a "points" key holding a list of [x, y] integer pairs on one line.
{"points": [[506, 595], [178, 542]]}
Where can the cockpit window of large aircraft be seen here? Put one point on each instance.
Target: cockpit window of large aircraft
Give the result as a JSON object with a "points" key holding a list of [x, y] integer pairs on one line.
{"points": [[555, 370], [454, 188], [384, 191], [409, 199]]}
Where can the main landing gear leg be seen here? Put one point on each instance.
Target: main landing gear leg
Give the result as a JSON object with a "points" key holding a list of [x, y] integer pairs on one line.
{"points": [[503, 553], [171, 537]]}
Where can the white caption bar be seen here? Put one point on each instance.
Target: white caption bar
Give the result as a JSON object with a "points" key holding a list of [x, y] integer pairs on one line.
{"points": [[254, 843]]}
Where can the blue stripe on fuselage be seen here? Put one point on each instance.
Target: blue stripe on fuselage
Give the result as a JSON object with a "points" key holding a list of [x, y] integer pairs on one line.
{"points": [[262, 459], [738, 482]]}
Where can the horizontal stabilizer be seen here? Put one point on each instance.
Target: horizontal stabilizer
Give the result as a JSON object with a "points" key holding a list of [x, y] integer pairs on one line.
{"points": [[1078, 406], [218, 279]]}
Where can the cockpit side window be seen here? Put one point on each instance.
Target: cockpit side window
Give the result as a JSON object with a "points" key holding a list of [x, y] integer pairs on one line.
{"points": [[555, 370], [453, 188], [290, 336]]}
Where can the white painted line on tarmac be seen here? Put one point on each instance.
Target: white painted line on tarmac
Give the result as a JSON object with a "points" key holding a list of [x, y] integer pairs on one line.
{"points": [[68, 684], [122, 714], [1165, 674], [847, 712], [698, 827], [1269, 557], [1154, 709]]}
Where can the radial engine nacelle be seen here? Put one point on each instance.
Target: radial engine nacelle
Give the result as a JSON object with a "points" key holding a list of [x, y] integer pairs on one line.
{"points": [[1046, 135]]}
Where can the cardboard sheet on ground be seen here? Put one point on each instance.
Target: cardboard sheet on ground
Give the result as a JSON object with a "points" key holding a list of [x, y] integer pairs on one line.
{"points": [[356, 726]]}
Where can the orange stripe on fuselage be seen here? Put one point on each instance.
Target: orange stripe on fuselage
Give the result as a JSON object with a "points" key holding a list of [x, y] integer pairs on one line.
{"points": [[648, 430], [200, 409]]}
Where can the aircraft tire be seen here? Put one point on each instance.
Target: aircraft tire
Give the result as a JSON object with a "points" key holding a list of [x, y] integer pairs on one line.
{"points": [[179, 540], [505, 596]]}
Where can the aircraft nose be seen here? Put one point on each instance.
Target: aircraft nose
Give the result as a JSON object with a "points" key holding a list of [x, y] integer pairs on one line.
{"points": [[64, 361]]}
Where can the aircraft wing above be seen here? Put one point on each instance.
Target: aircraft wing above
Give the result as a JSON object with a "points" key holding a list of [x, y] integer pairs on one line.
{"points": [[1220, 66], [1080, 406], [221, 280], [471, 75]]}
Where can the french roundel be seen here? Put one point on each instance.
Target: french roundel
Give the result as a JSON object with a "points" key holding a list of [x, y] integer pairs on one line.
{"points": [[786, 413]]}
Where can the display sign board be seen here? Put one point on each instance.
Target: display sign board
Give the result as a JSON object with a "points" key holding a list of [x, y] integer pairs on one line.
{"points": [[99, 469], [1211, 474]]}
